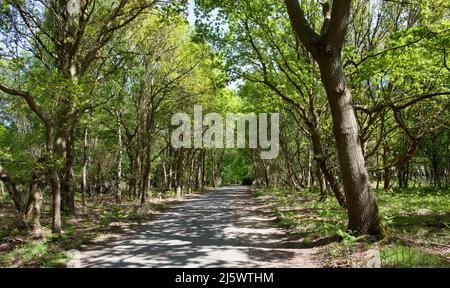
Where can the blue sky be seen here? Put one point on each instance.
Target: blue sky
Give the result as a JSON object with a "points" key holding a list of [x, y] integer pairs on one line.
{"points": [[191, 15]]}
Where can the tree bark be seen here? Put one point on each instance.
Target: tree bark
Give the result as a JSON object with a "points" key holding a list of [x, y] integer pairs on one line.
{"points": [[53, 177], [319, 155], [179, 172], [55, 184], [145, 171], [309, 170], [68, 184], [387, 170], [361, 204], [191, 171], [326, 48], [12, 189], [133, 173], [58, 147], [84, 183], [322, 184], [33, 210], [118, 191], [203, 178]]}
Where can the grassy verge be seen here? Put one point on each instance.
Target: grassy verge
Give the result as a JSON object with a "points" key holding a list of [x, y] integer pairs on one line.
{"points": [[104, 219], [418, 222]]}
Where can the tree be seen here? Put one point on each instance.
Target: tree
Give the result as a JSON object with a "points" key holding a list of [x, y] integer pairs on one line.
{"points": [[326, 48], [67, 37]]}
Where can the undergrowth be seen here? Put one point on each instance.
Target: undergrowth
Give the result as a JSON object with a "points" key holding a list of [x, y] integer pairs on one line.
{"points": [[417, 222]]}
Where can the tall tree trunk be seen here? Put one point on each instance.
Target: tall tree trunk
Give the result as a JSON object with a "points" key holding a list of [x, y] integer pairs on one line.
{"points": [[55, 184], [145, 173], [191, 171], [118, 191], [33, 210], [326, 48], [132, 186], [322, 184], [407, 172], [309, 170], [387, 170], [68, 184], [213, 170], [180, 172], [361, 204], [53, 177], [319, 154], [203, 179], [166, 177], [84, 183], [293, 176], [170, 175], [266, 174], [61, 181], [198, 177], [147, 144]]}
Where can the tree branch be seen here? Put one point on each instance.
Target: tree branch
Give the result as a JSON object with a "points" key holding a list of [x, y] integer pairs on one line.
{"points": [[30, 101], [382, 106], [300, 25], [338, 24]]}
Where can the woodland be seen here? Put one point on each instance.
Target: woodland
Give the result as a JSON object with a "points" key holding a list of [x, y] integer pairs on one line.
{"points": [[88, 89]]}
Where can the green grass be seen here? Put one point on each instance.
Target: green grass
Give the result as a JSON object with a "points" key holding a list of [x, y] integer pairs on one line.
{"points": [[34, 254], [301, 212], [257, 193], [419, 217], [400, 256], [113, 214], [421, 214]]}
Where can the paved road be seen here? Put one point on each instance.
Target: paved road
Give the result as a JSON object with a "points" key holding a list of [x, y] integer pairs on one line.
{"points": [[222, 228]]}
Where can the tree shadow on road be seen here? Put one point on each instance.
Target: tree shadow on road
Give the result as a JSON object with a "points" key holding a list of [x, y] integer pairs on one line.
{"points": [[205, 232]]}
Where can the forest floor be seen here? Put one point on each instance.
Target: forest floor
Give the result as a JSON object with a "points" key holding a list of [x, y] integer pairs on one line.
{"points": [[417, 221]]}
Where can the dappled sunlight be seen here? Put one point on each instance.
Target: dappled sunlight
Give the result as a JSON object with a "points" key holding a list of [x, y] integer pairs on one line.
{"points": [[211, 231]]}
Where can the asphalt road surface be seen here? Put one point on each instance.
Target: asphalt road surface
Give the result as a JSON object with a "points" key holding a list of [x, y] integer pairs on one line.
{"points": [[222, 228]]}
